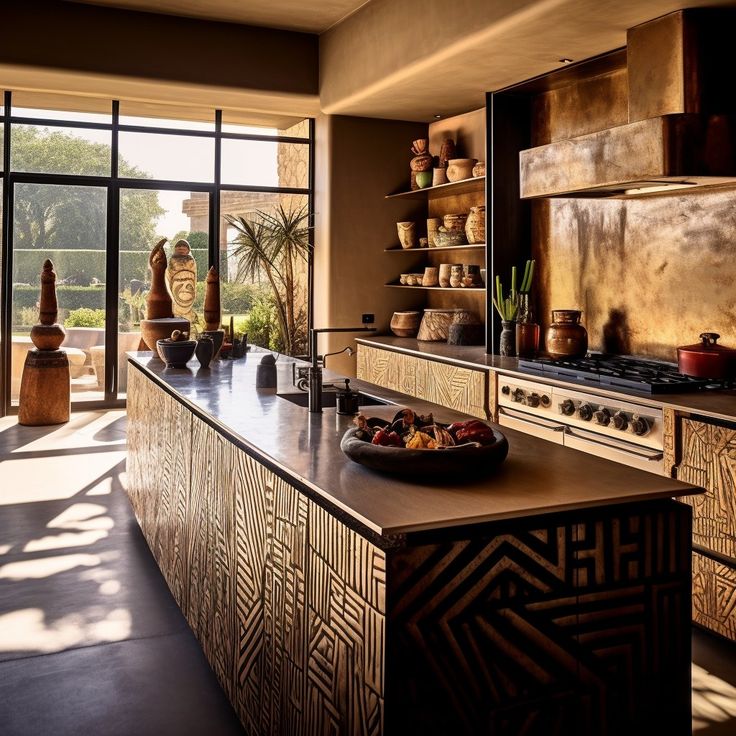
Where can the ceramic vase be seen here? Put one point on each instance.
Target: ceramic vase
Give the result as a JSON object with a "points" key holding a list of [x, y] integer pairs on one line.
{"points": [[205, 350], [507, 340], [439, 176], [407, 234], [455, 221], [447, 152], [479, 169], [566, 337], [431, 276], [456, 276], [475, 225], [433, 224], [444, 274]]}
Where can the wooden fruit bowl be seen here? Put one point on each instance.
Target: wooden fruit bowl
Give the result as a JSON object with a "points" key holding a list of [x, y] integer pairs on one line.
{"points": [[449, 462]]}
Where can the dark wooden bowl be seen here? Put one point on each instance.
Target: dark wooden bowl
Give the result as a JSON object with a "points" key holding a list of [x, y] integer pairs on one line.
{"points": [[460, 461]]}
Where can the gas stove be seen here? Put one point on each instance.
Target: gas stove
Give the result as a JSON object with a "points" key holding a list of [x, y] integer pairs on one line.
{"points": [[619, 373]]}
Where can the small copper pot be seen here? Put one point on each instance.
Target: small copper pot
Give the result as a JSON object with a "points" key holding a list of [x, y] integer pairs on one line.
{"points": [[566, 337], [707, 359]]}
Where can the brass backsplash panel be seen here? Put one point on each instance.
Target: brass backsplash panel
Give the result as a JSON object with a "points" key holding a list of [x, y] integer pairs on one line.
{"points": [[649, 274]]}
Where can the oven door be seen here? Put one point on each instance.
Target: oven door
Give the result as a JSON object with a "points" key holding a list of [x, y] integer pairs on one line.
{"points": [[538, 426], [616, 450]]}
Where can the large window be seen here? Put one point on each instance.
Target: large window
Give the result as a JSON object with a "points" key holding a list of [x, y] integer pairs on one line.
{"points": [[93, 185]]}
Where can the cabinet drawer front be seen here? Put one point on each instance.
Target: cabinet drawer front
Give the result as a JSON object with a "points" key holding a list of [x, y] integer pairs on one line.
{"points": [[388, 369], [709, 460], [457, 388], [714, 595]]}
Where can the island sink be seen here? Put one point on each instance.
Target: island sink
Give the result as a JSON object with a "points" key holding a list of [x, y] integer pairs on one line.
{"points": [[329, 399]]}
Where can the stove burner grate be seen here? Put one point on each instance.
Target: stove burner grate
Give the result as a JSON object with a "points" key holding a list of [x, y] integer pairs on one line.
{"points": [[620, 372]]}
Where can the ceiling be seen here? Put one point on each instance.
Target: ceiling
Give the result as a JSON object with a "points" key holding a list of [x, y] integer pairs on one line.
{"points": [[293, 15]]}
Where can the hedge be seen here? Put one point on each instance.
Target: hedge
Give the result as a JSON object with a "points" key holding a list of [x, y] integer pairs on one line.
{"points": [[73, 262], [68, 297]]}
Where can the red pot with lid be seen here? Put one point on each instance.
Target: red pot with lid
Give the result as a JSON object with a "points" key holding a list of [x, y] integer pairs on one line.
{"points": [[707, 359]]}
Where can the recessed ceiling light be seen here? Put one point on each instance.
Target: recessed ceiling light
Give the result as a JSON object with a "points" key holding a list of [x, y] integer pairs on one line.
{"points": [[565, 60], [437, 117]]}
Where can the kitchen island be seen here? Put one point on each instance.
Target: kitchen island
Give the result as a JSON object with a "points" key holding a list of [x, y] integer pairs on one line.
{"points": [[552, 596]]}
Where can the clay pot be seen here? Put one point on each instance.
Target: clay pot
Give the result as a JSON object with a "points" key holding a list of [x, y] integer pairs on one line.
{"points": [[433, 224], [460, 168], [465, 329], [455, 221], [424, 242], [473, 271], [423, 179], [422, 160], [403, 278], [405, 324], [407, 234], [475, 225], [456, 276], [446, 238], [205, 350], [566, 337], [444, 274], [153, 330], [431, 276], [218, 337], [439, 176], [414, 279], [435, 325], [176, 354], [447, 152], [479, 169]]}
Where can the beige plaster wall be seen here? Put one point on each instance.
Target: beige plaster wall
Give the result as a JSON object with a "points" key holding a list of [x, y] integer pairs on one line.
{"points": [[359, 161]]}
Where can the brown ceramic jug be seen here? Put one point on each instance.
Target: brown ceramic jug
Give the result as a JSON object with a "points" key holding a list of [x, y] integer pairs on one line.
{"points": [[566, 337]]}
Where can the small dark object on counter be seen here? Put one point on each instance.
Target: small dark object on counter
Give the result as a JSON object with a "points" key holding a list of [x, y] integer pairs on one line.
{"points": [[348, 401], [566, 337], [465, 334], [176, 354], [266, 372], [218, 338], [707, 359], [205, 350]]}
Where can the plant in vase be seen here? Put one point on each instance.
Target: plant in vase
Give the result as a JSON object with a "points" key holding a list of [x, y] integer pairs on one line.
{"points": [[527, 330], [507, 308]]}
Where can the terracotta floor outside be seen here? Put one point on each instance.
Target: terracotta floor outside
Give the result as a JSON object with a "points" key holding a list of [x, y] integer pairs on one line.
{"points": [[91, 641]]}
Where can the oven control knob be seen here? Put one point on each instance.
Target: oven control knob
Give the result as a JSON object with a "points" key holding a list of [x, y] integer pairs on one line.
{"points": [[602, 416], [533, 400], [545, 401], [620, 420], [506, 390], [585, 412], [567, 407], [640, 425], [518, 395]]}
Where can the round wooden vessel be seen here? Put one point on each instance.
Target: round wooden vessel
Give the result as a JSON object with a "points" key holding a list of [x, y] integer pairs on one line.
{"points": [[435, 325], [405, 324]]}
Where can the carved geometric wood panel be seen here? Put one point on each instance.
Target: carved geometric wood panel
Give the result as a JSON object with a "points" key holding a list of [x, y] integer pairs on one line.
{"points": [[452, 386], [562, 629], [387, 368], [709, 460], [714, 595]]}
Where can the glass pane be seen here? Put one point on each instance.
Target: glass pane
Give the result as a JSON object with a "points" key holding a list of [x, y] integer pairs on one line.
{"points": [[146, 216], [49, 106], [166, 116], [68, 225], [247, 293], [265, 163], [53, 150], [174, 157]]}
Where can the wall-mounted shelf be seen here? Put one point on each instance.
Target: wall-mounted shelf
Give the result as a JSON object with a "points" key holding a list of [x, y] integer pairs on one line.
{"points": [[456, 289], [399, 249], [453, 187]]}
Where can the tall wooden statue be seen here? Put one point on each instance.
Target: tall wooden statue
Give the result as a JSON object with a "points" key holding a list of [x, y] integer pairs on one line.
{"points": [[45, 389], [181, 277], [213, 311], [160, 321]]}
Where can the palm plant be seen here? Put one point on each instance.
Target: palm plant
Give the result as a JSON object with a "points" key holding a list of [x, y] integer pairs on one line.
{"points": [[271, 245]]}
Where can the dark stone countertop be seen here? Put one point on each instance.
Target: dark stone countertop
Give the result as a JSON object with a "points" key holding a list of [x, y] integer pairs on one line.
{"points": [[718, 404], [538, 476]]}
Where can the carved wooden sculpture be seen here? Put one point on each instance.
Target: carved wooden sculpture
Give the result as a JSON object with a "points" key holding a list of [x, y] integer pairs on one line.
{"points": [[158, 301], [212, 311], [181, 278], [45, 389]]}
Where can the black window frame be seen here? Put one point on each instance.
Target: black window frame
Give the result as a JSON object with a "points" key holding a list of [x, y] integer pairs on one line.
{"points": [[113, 185]]}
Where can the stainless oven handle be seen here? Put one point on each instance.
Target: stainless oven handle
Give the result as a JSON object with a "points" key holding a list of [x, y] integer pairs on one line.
{"points": [[522, 417], [595, 440]]}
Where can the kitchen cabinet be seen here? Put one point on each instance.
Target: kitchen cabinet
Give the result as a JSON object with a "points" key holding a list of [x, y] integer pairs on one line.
{"points": [[453, 386], [707, 456]]}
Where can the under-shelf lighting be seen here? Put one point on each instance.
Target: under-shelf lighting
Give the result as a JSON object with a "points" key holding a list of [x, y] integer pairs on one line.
{"points": [[565, 60]]}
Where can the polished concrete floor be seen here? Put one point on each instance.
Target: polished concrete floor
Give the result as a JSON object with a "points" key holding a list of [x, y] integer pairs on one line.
{"points": [[91, 641]]}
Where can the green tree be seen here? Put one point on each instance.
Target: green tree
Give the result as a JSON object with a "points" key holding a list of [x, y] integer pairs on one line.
{"points": [[60, 216]]}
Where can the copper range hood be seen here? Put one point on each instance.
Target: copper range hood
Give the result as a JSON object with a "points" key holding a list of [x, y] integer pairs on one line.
{"points": [[681, 132]]}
